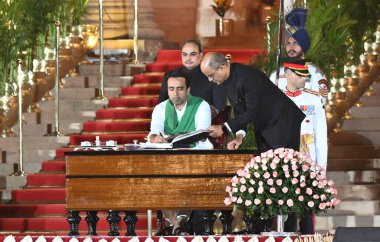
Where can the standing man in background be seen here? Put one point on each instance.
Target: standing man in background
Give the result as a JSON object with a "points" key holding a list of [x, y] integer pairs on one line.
{"points": [[192, 55]]}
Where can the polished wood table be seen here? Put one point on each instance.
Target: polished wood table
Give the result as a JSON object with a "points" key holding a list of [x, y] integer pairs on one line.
{"points": [[147, 179]]}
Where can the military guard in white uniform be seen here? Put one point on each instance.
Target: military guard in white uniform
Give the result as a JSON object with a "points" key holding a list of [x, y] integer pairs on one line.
{"points": [[313, 128]]}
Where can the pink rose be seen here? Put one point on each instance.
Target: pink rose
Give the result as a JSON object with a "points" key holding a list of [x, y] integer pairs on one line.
{"points": [[273, 166], [266, 175], [285, 189], [256, 174], [268, 201], [285, 167], [302, 178], [256, 201], [289, 202], [315, 183], [248, 202], [310, 204], [227, 201], [228, 189], [335, 201], [251, 190], [264, 160], [242, 180], [240, 172], [233, 199], [275, 174], [280, 202], [260, 190], [243, 188], [270, 182], [309, 191], [263, 155], [294, 181], [287, 175], [256, 166], [305, 168], [286, 160], [279, 182], [322, 206], [272, 190], [264, 167], [316, 196], [261, 183], [252, 182], [276, 160], [235, 179], [294, 167], [296, 173], [239, 200], [323, 197], [270, 153], [303, 184], [313, 175], [281, 155], [298, 191], [234, 189], [300, 198], [289, 156], [330, 183]]}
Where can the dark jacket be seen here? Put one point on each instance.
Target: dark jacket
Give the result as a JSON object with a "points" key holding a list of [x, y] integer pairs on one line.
{"points": [[254, 98], [200, 86]]}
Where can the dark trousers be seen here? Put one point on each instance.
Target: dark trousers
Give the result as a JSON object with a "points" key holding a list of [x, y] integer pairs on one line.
{"points": [[306, 224]]}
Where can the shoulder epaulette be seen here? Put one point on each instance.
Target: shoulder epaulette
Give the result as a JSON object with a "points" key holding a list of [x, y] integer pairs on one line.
{"points": [[312, 92]]}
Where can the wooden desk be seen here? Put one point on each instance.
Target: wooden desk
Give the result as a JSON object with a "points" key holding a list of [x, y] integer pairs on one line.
{"points": [[148, 179]]}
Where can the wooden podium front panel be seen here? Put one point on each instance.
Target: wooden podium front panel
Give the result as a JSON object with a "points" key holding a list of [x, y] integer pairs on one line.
{"points": [[146, 193], [155, 164], [162, 180]]}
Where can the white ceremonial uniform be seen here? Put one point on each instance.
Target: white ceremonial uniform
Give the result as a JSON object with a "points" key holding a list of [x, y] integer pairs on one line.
{"points": [[313, 127], [316, 82], [202, 121]]}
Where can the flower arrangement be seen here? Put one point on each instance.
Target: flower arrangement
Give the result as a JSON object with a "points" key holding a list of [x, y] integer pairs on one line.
{"points": [[221, 6], [281, 181]]}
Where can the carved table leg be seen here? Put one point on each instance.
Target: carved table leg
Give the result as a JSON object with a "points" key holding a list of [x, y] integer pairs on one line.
{"points": [[209, 220], [74, 220], [130, 220], [113, 219], [92, 219], [226, 219]]}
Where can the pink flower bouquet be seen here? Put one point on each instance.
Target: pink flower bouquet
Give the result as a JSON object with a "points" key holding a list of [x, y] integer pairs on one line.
{"points": [[281, 181]]}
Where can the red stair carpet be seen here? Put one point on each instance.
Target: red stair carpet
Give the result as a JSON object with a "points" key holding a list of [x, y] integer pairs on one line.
{"points": [[39, 208]]}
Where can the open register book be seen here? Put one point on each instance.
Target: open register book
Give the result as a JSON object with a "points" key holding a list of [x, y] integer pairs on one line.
{"points": [[180, 141]]}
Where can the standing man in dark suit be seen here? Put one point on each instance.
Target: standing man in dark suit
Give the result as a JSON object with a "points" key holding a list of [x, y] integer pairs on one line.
{"points": [[192, 55], [255, 99]]}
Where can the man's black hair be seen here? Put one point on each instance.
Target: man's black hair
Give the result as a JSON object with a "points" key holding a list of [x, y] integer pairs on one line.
{"points": [[195, 42], [180, 73]]}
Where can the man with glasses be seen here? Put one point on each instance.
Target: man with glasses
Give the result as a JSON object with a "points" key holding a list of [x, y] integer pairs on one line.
{"points": [[199, 85], [254, 99]]}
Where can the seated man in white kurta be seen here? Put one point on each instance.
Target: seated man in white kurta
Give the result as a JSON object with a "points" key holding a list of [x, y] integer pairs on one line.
{"points": [[181, 113]]}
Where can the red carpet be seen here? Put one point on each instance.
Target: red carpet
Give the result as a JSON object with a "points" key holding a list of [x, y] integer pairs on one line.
{"points": [[40, 206]]}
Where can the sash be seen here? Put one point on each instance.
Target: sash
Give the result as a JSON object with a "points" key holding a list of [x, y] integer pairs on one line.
{"points": [[187, 123]]}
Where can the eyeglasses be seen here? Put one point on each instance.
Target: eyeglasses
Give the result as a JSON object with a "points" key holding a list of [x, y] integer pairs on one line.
{"points": [[211, 76], [191, 54]]}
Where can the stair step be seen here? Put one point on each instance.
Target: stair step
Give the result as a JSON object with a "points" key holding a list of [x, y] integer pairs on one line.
{"points": [[59, 153], [120, 138], [329, 223], [149, 90], [348, 138], [163, 67], [356, 207], [29, 143], [370, 101], [110, 69], [354, 151], [143, 78], [87, 93], [52, 195], [358, 192], [365, 112], [352, 164], [53, 166], [46, 180], [362, 124], [121, 126], [132, 102], [58, 224], [93, 81], [355, 177], [124, 113], [29, 210]]}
